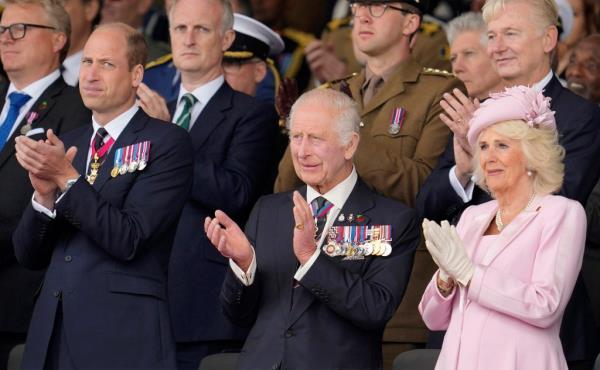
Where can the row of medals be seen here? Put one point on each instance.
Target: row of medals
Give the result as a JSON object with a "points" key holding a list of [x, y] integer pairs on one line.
{"points": [[131, 167], [376, 247]]}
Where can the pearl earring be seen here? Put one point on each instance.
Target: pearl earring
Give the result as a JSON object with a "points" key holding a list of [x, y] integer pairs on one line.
{"points": [[529, 173]]}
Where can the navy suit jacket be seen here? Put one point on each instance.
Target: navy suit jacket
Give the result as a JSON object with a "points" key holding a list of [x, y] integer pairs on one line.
{"points": [[578, 125], [340, 307], [107, 253], [235, 161], [60, 108]]}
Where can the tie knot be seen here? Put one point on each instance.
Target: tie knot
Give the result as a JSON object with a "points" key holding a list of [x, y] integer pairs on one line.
{"points": [[100, 137], [18, 99], [320, 207], [189, 99]]}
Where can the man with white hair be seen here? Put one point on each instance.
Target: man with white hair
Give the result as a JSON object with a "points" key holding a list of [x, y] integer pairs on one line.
{"points": [[318, 281]]}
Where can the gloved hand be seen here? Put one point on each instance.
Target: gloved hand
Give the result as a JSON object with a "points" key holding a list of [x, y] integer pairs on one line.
{"points": [[447, 251]]}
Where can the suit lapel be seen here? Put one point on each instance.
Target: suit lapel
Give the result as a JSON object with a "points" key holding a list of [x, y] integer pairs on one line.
{"points": [[42, 106], [127, 137], [359, 202], [212, 115], [511, 231]]}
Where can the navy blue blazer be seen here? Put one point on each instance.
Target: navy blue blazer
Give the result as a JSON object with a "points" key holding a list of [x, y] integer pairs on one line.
{"points": [[578, 124], [341, 306], [107, 253], [60, 108], [235, 161]]}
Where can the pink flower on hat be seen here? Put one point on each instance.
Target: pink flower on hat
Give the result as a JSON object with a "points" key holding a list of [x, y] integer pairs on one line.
{"points": [[514, 103]]}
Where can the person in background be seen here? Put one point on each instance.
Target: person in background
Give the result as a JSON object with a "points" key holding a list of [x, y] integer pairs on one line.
{"points": [[506, 272], [33, 99]]}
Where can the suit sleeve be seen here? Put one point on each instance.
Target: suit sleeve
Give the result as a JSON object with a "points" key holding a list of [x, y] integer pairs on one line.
{"points": [[435, 309], [541, 300], [240, 302], [369, 299], [234, 184], [581, 140], [153, 202]]}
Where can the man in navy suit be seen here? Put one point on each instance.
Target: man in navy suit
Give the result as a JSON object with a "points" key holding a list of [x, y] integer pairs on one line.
{"points": [[102, 220], [522, 36], [235, 158], [31, 57], [319, 282]]}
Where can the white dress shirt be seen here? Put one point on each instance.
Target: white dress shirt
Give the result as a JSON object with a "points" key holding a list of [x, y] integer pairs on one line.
{"points": [[71, 67], [337, 196], [35, 90], [114, 129], [466, 193], [203, 94]]}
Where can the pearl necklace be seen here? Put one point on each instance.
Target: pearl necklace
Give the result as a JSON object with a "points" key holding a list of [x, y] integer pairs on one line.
{"points": [[499, 224]]}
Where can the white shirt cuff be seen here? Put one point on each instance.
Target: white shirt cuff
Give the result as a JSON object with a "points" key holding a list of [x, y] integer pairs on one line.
{"points": [[246, 277], [41, 209], [466, 193], [302, 270]]}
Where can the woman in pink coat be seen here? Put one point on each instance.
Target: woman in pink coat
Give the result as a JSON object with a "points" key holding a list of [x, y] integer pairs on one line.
{"points": [[507, 271]]}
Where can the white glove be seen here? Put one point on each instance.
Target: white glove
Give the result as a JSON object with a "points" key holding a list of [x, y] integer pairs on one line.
{"points": [[448, 251], [443, 275]]}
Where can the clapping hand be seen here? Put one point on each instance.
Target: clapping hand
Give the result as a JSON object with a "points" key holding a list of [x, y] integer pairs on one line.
{"points": [[448, 251], [229, 239]]}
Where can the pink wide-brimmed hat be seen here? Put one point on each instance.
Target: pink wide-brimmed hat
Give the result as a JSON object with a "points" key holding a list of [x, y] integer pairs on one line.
{"points": [[515, 103]]}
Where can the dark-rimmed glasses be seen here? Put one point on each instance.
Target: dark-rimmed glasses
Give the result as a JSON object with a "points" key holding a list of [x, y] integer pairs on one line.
{"points": [[376, 9], [18, 30]]}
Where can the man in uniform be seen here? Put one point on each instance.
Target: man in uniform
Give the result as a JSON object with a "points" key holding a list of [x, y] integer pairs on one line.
{"points": [[401, 134]]}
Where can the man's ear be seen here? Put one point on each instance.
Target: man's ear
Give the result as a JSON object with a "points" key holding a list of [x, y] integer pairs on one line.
{"points": [[59, 41], [137, 75], [260, 71], [351, 146], [228, 38], [550, 39]]}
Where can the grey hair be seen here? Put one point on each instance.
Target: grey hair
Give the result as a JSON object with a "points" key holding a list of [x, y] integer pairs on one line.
{"points": [[545, 11], [467, 22], [226, 19], [56, 15], [345, 110]]}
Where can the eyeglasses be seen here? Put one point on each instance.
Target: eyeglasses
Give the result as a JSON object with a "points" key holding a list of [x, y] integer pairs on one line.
{"points": [[376, 9], [18, 30]]}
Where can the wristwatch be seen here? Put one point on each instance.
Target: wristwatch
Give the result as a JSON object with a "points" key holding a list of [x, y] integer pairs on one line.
{"points": [[70, 182]]}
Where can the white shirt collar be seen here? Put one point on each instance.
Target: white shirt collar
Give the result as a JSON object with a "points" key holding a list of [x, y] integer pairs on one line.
{"points": [[541, 85], [116, 126], [71, 65], [203, 93], [36, 88], [339, 194]]}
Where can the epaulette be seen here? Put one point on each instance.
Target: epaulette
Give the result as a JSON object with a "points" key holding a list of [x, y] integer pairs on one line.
{"points": [[429, 28], [329, 84], [301, 38], [160, 61], [339, 23], [436, 72]]}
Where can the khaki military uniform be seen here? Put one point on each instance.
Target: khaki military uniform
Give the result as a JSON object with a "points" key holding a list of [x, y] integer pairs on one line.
{"points": [[431, 47], [396, 165]]}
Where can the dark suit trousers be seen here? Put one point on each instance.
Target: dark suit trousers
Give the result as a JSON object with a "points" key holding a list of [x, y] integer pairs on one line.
{"points": [[58, 356], [190, 354]]}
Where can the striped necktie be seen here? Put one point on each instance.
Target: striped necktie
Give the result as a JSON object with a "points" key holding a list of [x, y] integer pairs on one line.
{"points": [[320, 208], [185, 117]]}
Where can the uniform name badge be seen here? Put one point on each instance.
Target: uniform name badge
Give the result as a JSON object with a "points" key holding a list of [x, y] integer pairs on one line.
{"points": [[397, 121]]}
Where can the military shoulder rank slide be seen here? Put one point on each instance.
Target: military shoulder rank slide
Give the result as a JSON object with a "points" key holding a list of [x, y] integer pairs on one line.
{"points": [[131, 158], [355, 242]]}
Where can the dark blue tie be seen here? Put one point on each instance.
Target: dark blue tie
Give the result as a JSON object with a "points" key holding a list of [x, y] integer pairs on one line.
{"points": [[17, 101]]}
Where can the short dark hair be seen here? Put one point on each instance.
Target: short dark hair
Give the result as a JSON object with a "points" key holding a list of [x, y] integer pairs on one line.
{"points": [[137, 48]]}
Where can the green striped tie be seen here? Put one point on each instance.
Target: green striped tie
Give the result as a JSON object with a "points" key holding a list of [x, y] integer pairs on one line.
{"points": [[186, 114]]}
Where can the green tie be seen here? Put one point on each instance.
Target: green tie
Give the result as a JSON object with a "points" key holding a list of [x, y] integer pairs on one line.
{"points": [[186, 114]]}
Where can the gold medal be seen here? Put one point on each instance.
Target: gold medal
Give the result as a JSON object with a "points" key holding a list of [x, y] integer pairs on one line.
{"points": [[114, 172]]}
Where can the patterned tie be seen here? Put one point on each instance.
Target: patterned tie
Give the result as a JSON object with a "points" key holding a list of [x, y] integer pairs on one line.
{"points": [[186, 113], [17, 101], [320, 208], [100, 138]]}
